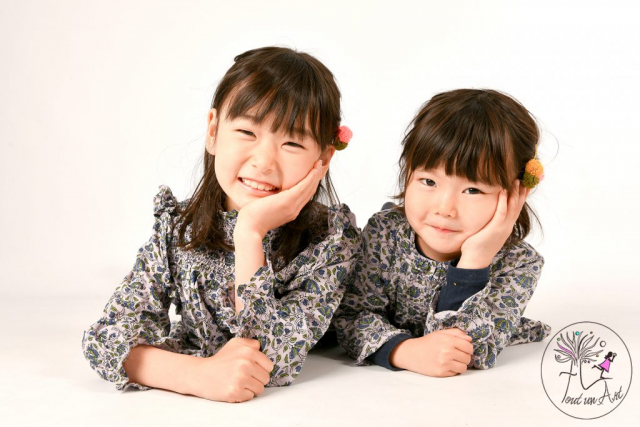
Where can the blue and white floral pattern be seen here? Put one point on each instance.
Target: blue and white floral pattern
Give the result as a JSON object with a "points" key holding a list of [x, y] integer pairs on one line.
{"points": [[396, 291], [286, 310]]}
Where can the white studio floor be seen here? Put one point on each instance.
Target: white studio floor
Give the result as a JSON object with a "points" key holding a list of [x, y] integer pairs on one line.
{"points": [[46, 381]]}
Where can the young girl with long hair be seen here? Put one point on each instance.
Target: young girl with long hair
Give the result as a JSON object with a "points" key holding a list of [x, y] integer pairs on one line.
{"points": [[253, 262]]}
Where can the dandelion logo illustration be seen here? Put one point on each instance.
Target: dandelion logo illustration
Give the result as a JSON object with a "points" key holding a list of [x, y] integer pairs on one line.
{"points": [[585, 388]]}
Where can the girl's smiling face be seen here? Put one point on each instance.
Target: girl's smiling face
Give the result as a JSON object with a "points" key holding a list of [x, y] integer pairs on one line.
{"points": [[252, 161], [446, 210]]}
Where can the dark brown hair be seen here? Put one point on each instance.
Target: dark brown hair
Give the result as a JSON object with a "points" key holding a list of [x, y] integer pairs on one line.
{"points": [[297, 92], [481, 135]]}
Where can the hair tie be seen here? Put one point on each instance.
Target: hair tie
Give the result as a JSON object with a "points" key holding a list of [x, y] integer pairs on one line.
{"points": [[533, 173], [343, 136]]}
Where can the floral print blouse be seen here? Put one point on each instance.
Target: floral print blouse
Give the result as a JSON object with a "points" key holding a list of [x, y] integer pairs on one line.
{"points": [[288, 310], [396, 292]]}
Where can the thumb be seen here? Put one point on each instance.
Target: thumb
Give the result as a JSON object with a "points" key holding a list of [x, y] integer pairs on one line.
{"points": [[255, 344]]}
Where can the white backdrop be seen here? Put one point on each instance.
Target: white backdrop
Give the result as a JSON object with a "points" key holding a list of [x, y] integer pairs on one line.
{"points": [[103, 101]]}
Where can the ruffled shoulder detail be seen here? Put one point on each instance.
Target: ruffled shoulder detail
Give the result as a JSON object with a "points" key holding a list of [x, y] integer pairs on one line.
{"points": [[393, 220], [164, 201], [341, 219], [390, 215], [336, 240]]}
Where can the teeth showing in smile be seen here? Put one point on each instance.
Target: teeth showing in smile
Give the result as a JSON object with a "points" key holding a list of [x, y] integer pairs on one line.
{"points": [[257, 186]]}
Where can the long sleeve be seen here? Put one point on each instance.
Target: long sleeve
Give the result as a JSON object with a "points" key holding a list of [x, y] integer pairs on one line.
{"points": [[362, 321], [288, 315], [493, 315], [137, 312], [461, 284]]}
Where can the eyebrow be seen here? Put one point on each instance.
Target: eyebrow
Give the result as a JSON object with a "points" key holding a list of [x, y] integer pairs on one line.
{"points": [[432, 172], [297, 132]]}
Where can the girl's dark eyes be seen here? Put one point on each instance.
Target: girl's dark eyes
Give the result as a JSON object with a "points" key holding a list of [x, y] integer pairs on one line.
{"points": [[472, 191], [431, 183]]}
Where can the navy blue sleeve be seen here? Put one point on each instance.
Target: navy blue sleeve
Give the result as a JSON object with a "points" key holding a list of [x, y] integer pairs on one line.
{"points": [[461, 284], [382, 355]]}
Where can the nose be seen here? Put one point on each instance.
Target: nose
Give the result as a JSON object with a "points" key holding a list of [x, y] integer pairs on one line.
{"points": [[263, 157], [446, 205]]}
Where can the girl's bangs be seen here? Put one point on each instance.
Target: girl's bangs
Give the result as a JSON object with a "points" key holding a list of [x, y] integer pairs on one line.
{"points": [[465, 153], [289, 108]]}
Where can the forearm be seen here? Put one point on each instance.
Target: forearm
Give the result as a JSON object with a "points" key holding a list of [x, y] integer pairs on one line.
{"points": [[249, 258], [157, 368]]}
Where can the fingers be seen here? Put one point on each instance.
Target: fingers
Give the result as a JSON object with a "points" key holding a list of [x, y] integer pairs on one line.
{"points": [[456, 332], [519, 197], [514, 199], [458, 367], [264, 362], [502, 210], [304, 190], [260, 367], [310, 182], [516, 202], [242, 396], [315, 175], [464, 346], [260, 374], [503, 206], [254, 386], [463, 343], [255, 344], [462, 357]]}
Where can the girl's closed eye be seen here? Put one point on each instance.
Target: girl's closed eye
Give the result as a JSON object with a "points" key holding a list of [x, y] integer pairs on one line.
{"points": [[246, 132], [294, 144]]}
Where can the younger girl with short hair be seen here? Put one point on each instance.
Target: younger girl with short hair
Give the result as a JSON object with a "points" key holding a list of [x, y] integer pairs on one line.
{"points": [[253, 263], [445, 277]]}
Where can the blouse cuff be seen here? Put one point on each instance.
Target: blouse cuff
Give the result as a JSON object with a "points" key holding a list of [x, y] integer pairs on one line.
{"points": [[116, 358], [382, 356], [255, 295], [461, 284], [375, 340]]}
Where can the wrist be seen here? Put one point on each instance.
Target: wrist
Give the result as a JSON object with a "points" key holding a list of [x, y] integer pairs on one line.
{"points": [[397, 356], [244, 235], [190, 368], [473, 263], [154, 367], [246, 226]]}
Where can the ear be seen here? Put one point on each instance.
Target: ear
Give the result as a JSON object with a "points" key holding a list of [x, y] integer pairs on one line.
{"points": [[212, 128], [326, 158]]}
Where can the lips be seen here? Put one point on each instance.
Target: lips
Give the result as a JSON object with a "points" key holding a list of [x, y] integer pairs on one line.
{"points": [[442, 229], [258, 185]]}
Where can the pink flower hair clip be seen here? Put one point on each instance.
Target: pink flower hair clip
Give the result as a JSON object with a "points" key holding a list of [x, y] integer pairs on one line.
{"points": [[343, 136]]}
